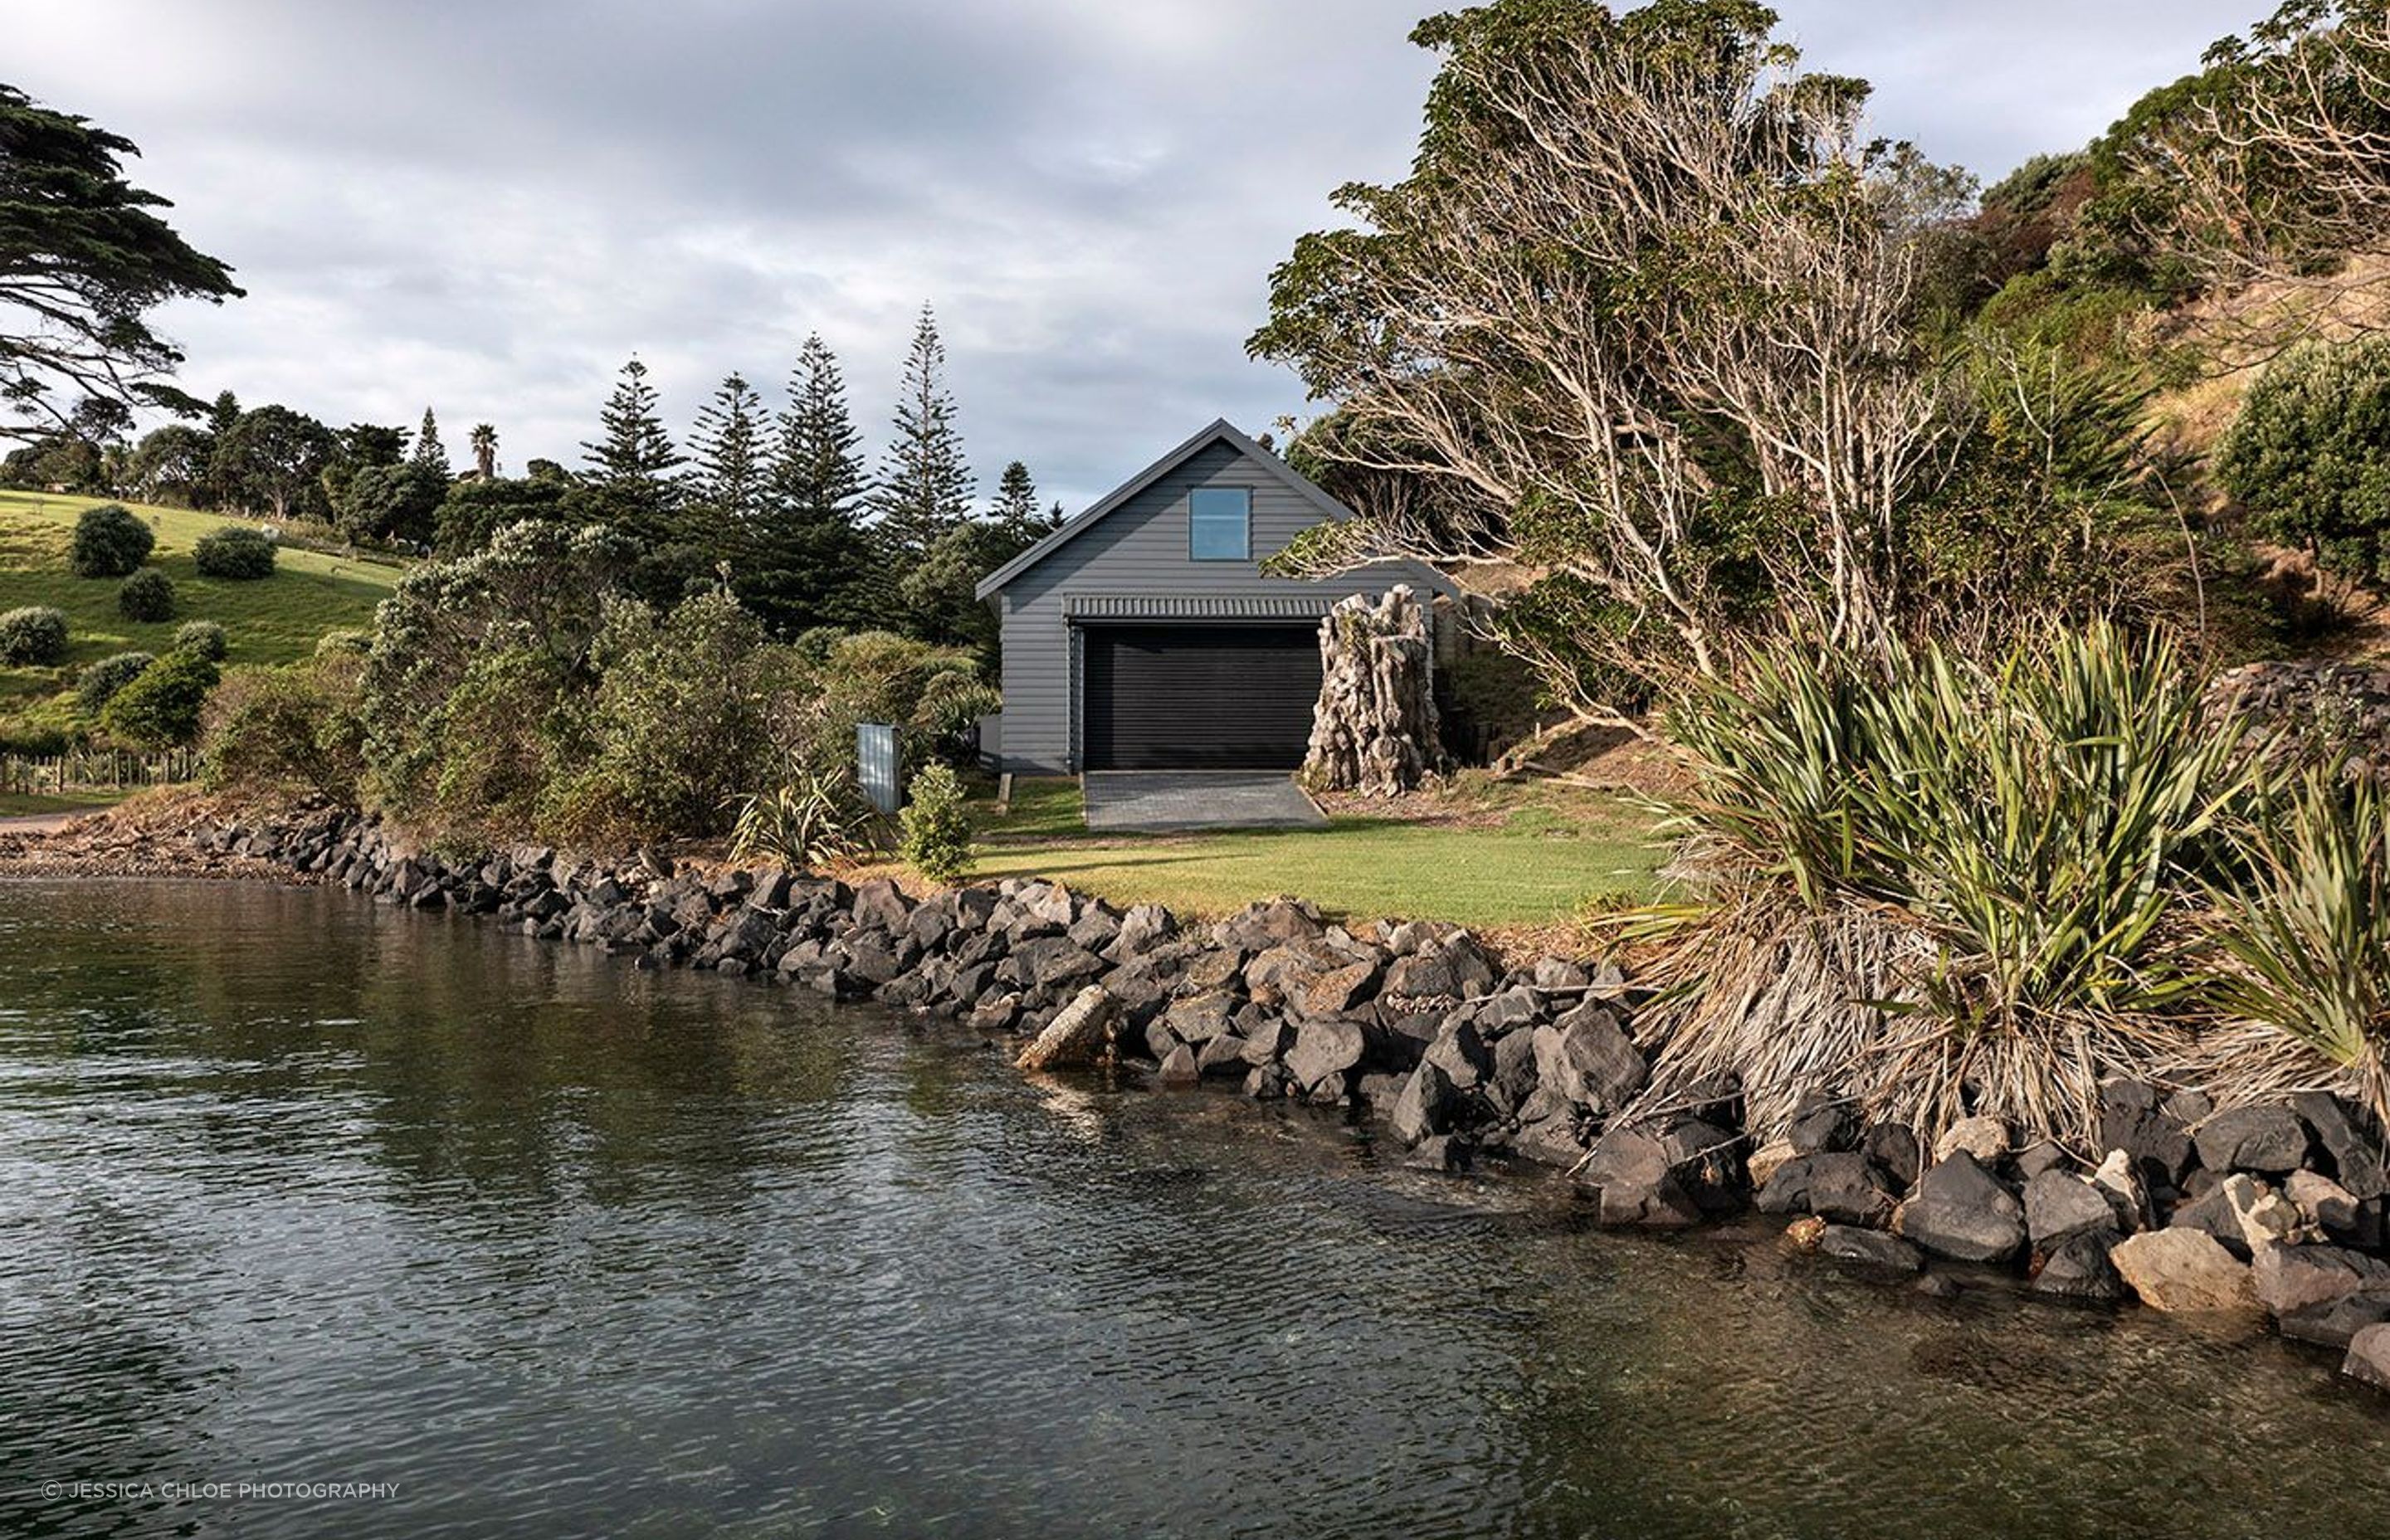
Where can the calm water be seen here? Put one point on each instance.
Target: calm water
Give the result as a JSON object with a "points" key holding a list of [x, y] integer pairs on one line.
{"points": [[297, 1189]]}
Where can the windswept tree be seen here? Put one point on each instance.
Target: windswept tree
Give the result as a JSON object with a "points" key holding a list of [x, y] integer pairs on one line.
{"points": [[807, 563], [1639, 323], [271, 461], [485, 442], [925, 484], [84, 257]]}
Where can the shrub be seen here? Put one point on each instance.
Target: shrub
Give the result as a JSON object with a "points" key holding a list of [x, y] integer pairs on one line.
{"points": [[932, 694], [2310, 930], [805, 823], [937, 830], [1947, 887], [34, 636], [148, 597], [161, 708], [344, 644], [237, 554], [110, 541], [678, 722], [203, 639], [100, 681], [293, 728], [2309, 455]]}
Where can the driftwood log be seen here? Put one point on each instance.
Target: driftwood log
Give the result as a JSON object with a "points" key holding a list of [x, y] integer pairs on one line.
{"points": [[1375, 729]]}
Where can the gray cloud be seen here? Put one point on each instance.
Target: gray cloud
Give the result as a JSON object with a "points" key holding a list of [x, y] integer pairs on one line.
{"points": [[487, 208]]}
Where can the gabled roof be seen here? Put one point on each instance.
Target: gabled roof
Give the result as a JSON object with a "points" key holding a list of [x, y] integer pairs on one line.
{"points": [[1220, 430]]}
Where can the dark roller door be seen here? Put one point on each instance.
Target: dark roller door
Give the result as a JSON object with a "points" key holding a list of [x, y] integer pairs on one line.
{"points": [[1200, 698]]}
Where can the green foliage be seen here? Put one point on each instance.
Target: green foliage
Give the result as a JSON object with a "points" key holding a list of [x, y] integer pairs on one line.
{"points": [[677, 727], [2309, 455], [236, 554], [934, 695], [268, 731], [471, 512], [392, 504], [110, 541], [808, 822], [272, 461], [203, 639], [100, 682], [937, 836], [146, 597], [2310, 929], [805, 562], [925, 482], [161, 708], [33, 636], [87, 257]]}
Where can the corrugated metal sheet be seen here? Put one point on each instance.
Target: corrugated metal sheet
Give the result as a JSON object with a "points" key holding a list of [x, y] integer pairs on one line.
{"points": [[1197, 607], [875, 765]]}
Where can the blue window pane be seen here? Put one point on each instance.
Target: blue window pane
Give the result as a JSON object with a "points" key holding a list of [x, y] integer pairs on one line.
{"points": [[1219, 524]]}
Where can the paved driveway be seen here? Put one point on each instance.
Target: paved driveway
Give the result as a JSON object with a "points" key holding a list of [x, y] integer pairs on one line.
{"points": [[1170, 801]]}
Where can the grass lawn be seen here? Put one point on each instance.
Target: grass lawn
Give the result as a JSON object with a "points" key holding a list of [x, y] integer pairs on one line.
{"points": [[1484, 854], [272, 621], [15, 806]]}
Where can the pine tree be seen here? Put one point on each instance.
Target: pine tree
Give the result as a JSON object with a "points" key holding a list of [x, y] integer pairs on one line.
{"points": [[633, 457], [925, 484], [1016, 498], [485, 451], [807, 563], [429, 451], [726, 480]]}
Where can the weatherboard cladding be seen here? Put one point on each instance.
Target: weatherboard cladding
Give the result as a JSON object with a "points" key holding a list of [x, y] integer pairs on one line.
{"points": [[1131, 563]]}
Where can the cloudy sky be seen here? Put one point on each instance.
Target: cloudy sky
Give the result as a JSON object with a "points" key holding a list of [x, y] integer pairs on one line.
{"points": [[488, 206]]}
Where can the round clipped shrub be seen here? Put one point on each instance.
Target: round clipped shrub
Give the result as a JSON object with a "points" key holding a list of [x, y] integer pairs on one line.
{"points": [[100, 681], [161, 708], [2309, 455], [203, 639], [34, 636], [236, 553], [148, 596], [110, 541]]}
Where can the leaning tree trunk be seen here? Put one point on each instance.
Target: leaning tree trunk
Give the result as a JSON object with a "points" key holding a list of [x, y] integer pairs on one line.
{"points": [[1375, 727]]}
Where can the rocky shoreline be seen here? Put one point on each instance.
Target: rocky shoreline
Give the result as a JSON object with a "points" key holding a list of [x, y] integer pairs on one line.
{"points": [[2275, 1210]]}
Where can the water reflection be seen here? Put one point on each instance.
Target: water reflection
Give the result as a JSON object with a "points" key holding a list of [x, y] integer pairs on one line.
{"points": [[295, 1187]]}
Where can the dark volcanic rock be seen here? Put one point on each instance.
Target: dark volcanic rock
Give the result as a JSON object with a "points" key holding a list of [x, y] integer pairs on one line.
{"points": [[2059, 1206], [1869, 1248], [2369, 1357], [1894, 1148], [2356, 1158], [1961, 1211], [1841, 1187], [1637, 1179], [2269, 1140], [2079, 1268], [1586, 1056], [1323, 1049], [1425, 1105], [2304, 1277], [1461, 1052], [1179, 1067], [1823, 1125], [2153, 1128], [2333, 1324]]}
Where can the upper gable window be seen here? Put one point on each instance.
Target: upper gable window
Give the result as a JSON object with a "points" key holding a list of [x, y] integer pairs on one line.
{"points": [[1220, 524]]}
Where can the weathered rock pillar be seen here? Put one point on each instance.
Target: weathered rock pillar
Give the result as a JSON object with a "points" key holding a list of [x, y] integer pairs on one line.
{"points": [[1375, 728]]}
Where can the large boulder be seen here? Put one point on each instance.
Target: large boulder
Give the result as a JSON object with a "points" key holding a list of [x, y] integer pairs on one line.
{"points": [[1637, 1178], [2185, 1270], [1077, 1035], [2369, 1357], [1424, 1108], [1337, 989], [2356, 1158], [1894, 1148], [1586, 1056], [2059, 1206], [1961, 1211], [2303, 1277], [1450, 968], [879, 905], [2242, 1214], [2079, 1268], [1823, 1125], [1272, 922], [2269, 1140], [1841, 1187], [2151, 1126], [2335, 1322], [1322, 1050], [1868, 1247]]}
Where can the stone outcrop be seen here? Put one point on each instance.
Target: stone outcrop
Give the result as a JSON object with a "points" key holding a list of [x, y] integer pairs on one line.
{"points": [[1375, 729], [2176, 1269]]}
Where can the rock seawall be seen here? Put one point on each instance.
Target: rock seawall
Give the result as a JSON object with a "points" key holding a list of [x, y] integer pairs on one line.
{"points": [[2282, 1208]]}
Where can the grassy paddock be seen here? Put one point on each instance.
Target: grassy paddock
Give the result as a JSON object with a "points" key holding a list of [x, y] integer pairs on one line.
{"points": [[1484, 857], [272, 621]]}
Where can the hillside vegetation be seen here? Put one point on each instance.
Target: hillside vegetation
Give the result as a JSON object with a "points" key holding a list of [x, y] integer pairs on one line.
{"points": [[275, 619]]}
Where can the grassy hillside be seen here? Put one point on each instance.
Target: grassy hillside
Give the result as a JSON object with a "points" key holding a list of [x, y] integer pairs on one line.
{"points": [[273, 621]]}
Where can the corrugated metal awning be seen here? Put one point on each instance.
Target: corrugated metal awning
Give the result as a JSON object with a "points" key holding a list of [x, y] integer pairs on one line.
{"points": [[1197, 607]]}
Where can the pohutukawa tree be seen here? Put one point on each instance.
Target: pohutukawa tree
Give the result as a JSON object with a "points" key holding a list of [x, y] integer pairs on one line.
{"points": [[1639, 322], [83, 259]]}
